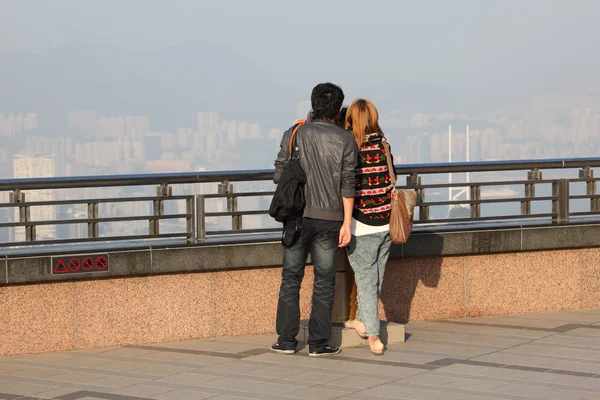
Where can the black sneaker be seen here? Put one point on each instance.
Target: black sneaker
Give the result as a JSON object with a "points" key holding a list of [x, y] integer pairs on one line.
{"points": [[327, 351], [276, 347]]}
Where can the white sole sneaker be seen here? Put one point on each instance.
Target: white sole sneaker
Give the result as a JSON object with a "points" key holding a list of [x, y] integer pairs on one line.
{"points": [[326, 354], [282, 351]]}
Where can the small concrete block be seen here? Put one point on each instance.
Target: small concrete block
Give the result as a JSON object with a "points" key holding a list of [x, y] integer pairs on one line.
{"points": [[391, 333]]}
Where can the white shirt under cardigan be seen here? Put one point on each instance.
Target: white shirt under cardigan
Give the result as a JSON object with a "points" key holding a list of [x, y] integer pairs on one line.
{"points": [[360, 229]]}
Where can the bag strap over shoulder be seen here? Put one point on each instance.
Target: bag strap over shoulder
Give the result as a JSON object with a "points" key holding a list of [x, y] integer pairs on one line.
{"points": [[299, 123], [388, 156]]}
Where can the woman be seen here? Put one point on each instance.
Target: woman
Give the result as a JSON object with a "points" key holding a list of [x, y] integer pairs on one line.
{"points": [[369, 247]]}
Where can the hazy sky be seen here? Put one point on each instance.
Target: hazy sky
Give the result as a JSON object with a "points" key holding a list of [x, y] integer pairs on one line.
{"points": [[480, 45]]}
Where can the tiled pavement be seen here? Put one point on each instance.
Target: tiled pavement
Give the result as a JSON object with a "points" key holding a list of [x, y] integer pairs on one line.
{"points": [[534, 356]]}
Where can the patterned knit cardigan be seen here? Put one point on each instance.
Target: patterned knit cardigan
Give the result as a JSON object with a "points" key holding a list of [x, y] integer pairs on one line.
{"points": [[372, 202]]}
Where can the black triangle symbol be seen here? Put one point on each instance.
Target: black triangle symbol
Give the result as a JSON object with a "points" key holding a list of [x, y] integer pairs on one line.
{"points": [[60, 267]]}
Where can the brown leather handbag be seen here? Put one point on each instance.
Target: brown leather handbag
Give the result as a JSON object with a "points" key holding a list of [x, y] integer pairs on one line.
{"points": [[403, 205]]}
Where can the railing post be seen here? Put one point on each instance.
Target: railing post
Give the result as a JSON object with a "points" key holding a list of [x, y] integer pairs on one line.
{"points": [[200, 218], [414, 181], [236, 220], [533, 175], [475, 204], [560, 204], [93, 229], [190, 220], [18, 197], [590, 187], [158, 207], [226, 189]]}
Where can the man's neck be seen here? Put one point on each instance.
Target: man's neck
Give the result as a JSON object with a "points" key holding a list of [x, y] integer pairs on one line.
{"points": [[333, 121]]}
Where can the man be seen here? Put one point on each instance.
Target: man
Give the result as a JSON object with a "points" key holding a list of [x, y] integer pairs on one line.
{"points": [[328, 155]]}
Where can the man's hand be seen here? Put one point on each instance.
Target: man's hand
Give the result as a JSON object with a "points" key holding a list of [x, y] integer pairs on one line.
{"points": [[346, 231], [345, 235]]}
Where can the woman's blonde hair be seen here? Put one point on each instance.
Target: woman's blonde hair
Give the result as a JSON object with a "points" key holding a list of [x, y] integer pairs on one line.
{"points": [[362, 119]]}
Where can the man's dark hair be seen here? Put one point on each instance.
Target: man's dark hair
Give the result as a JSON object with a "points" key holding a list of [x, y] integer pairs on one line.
{"points": [[326, 101]]}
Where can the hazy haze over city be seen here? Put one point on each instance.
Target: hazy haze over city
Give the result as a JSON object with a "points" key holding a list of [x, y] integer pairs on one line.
{"points": [[131, 86], [520, 68]]}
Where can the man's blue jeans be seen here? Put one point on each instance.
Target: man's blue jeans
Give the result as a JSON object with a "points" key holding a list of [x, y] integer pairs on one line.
{"points": [[320, 238]]}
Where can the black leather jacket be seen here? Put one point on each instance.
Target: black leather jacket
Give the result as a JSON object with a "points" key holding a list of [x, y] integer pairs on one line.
{"points": [[328, 155]]}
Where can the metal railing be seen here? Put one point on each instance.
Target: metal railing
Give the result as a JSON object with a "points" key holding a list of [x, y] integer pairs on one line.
{"points": [[195, 216]]}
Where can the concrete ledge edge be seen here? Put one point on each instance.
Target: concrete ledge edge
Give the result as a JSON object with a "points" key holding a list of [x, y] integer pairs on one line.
{"points": [[223, 257]]}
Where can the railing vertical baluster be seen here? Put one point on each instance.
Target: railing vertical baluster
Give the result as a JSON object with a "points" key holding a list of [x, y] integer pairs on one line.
{"points": [[533, 175], [226, 189], [190, 222], [154, 227], [200, 218], [158, 207], [566, 197], [18, 197], [236, 221], [590, 187], [475, 204], [560, 204], [556, 202], [93, 229], [414, 181]]}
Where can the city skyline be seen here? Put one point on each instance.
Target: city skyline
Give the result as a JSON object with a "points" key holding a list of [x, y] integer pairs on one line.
{"points": [[92, 140]]}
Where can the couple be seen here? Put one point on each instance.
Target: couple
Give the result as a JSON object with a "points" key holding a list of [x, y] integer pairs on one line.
{"points": [[344, 167]]}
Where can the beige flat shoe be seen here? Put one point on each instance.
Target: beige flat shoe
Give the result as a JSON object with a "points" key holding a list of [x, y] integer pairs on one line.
{"points": [[377, 352], [350, 324]]}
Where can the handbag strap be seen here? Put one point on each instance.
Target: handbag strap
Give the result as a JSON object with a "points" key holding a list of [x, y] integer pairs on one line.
{"points": [[391, 169], [291, 144]]}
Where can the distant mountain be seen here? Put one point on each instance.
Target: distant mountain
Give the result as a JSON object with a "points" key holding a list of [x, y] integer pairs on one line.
{"points": [[170, 85]]}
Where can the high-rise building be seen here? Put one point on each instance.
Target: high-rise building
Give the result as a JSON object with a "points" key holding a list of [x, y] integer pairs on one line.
{"points": [[142, 123], [82, 120], [213, 119], [207, 120], [275, 133], [255, 132], [419, 121], [36, 166], [11, 127], [244, 130], [111, 127], [61, 147], [137, 127], [232, 133], [19, 124], [202, 118], [2, 125], [30, 122]]}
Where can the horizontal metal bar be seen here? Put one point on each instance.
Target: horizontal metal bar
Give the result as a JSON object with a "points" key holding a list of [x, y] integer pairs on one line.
{"points": [[98, 239], [584, 213], [94, 220], [238, 194], [243, 231], [584, 197], [267, 175], [236, 213], [87, 201], [492, 218], [487, 201], [491, 166], [583, 180], [483, 184]]}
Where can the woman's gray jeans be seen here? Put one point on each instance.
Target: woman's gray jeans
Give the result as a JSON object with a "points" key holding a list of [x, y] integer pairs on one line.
{"points": [[368, 255]]}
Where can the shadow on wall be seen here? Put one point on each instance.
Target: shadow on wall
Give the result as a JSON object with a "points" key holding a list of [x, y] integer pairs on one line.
{"points": [[402, 277]]}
